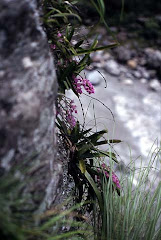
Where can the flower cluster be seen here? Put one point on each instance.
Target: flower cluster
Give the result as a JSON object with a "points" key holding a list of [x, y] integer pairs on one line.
{"points": [[53, 46], [59, 36], [80, 82], [77, 82], [114, 177], [69, 116], [65, 109]]}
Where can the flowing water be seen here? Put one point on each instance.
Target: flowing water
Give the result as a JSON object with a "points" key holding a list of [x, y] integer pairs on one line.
{"points": [[136, 119]]}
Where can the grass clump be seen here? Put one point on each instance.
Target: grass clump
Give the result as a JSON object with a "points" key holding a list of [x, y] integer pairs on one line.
{"points": [[136, 213], [17, 223]]}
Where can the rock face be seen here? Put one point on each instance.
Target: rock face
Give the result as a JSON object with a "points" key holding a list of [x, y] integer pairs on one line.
{"points": [[27, 93], [112, 67], [123, 54], [153, 59]]}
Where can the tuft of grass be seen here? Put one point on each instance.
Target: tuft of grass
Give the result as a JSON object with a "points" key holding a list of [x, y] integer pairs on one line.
{"points": [[18, 223], [136, 214]]}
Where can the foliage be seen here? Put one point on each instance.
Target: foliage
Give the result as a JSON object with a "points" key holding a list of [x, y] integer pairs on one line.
{"points": [[9, 200], [136, 214], [122, 212], [72, 55], [65, 49], [21, 224], [84, 155]]}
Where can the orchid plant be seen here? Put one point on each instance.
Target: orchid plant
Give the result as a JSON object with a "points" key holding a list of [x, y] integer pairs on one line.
{"points": [[71, 58]]}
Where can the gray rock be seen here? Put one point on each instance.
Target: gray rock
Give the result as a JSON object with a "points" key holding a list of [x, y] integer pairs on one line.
{"points": [[94, 77], [158, 18], [128, 75], [127, 81], [97, 56], [144, 72], [112, 67], [152, 73], [155, 85], [106, 56], [142, 61], [153, 58], [27, 93], [137, 74], [123, 53], [143, 80], [123, 69], [97, 65]]}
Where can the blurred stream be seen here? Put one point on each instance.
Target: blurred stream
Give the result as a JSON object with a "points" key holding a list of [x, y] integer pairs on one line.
{"points": [[137, 118]]}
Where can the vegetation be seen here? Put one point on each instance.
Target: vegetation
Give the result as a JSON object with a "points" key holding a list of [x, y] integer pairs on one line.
{"points": [[119, 216], [115, 209], [24, 225], [81, 143], [136, 214]]}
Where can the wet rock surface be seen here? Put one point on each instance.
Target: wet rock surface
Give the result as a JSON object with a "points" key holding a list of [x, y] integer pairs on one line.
{"points": [[27, 95]]}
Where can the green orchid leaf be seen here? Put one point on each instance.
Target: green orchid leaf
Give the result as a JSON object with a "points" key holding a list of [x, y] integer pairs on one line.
{"points": [[68, 71], [114, 141], [94, 44], [108, 154], [112, 45], [70, 47], [93, 138], [96, 190], [66, 85], [102, 142], [84, 149], [92, 155], [65, 15], [83, 63], [92, 171], [71, 34], [78, 44], [75, 133], [108, 141], [83, 133], [86, 131], [96, 136], [82, 166]]}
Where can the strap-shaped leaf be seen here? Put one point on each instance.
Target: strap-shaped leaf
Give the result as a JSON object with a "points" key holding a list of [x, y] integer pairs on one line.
{"points": [[82, 52], [70, 34], [84, 149], [86, 131], [82, 166], [89, 154], [75, 133], [65, 15], [68, 71], [108, 154], [114, 141], [78, 44], [96, 136], [108, 141], [94, 44], [93, 138], [96, 190]]}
